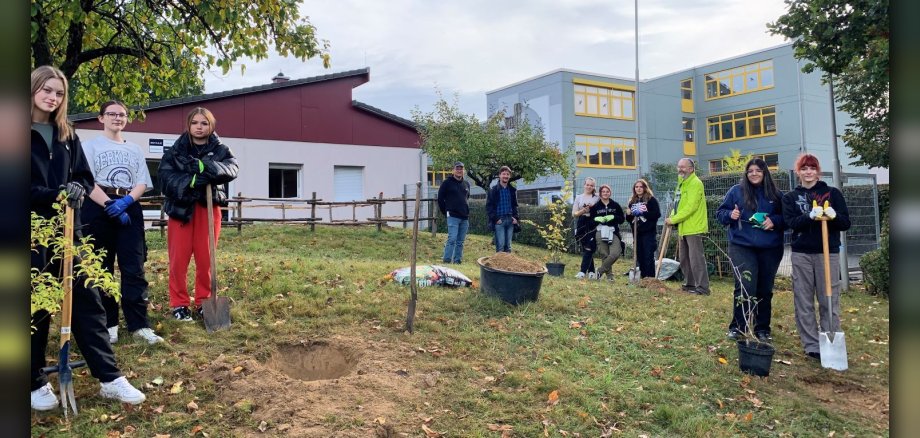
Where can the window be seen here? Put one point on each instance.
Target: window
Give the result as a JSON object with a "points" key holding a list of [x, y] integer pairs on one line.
{"points": [[153, 166], [601, 99], [740, 125], [605, 152], [436, 177], [686, 95], [689, 143], [348, 183], [284, 180], [740, 80], [772, 160]]}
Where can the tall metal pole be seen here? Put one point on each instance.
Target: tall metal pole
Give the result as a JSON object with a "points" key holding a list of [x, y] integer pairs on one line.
{"points": [[835, 175], [636, 96]]}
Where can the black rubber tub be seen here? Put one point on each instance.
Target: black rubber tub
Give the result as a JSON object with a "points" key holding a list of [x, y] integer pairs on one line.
{"points": [[510, 287], [755, 357]]}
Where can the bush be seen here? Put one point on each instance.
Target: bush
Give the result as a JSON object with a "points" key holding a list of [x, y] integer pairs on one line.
{"points": [[875, 268]]}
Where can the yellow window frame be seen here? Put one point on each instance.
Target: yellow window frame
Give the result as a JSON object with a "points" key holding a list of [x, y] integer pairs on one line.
{"points": [[746, 117], [615, 98], [433, 177], [744, 73], [686, 87], [607, 150]]}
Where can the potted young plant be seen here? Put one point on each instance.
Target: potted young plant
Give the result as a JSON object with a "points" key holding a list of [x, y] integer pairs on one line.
{"points": [[754, 356], [555, 232]]}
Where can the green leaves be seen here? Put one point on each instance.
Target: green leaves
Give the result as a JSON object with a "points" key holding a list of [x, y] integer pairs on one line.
{"points": [[848, 39], [140, 51], [448, 135]]}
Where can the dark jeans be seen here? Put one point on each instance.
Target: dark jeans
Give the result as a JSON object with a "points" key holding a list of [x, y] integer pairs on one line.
{"points": [[645, 253], [761, 264], [588, 247], [504, 232], [87, 326], [126, 243]]}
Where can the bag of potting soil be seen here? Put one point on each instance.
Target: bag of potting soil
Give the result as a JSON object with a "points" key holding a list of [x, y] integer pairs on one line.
{"points": [[669, 268], [428, 275], [453, 277]]}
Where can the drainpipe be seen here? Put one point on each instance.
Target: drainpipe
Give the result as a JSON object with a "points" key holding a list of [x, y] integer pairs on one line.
{"points": [[636, 100]]}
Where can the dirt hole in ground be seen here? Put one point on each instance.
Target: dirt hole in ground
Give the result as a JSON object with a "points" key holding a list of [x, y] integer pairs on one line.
{"points": [[314, 361]]}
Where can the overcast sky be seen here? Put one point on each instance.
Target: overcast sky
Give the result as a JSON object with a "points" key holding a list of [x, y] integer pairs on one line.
{"points": [[470, 47]]}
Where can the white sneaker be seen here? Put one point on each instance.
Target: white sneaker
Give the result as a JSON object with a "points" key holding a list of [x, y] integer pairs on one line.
{"points": [[580, 275], [122, 391], [43, 399], [592, 276], [148, 335], [113, 334]]}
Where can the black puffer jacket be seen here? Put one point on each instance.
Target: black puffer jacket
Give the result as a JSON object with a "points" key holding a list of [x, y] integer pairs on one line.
{"points": [[180, 164]]}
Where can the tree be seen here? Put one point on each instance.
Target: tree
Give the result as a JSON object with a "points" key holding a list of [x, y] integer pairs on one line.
{"points": [[848, 40], [448, 135], [734, 161], [137, 49]]}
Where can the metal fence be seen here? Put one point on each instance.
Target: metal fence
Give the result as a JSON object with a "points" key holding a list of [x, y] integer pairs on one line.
{"points": [[859, 190]]}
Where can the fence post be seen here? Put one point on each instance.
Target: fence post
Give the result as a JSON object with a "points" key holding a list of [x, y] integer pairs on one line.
{"points": [[380, 212], [405, 208], [313, 213], [162, 215], [433, 222]]}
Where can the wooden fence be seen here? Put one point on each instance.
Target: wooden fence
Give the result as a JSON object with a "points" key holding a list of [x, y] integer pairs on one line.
{"points": [[293, 212]]}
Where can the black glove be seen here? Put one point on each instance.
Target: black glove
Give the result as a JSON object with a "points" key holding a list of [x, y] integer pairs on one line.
{"points": [[74, 193], [199, 180]]}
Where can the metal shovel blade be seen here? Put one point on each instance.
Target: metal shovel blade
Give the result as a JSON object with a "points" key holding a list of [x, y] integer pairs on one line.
{"points": [[833, 347], [216, 313], [635, 275]]}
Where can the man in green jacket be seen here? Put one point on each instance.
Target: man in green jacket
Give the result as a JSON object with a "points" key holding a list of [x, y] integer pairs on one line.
{"points": [[691, 218]]}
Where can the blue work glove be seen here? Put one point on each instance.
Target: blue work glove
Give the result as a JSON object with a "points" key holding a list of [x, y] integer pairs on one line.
{"points": [[115, 207], [124, 219], [636, 211]]}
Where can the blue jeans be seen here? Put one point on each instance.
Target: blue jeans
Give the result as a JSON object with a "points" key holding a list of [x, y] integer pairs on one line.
{"points": [[456, 234], [503, 234]]}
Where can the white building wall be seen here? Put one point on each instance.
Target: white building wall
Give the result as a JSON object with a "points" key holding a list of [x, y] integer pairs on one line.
{"points": [[386, 169]]}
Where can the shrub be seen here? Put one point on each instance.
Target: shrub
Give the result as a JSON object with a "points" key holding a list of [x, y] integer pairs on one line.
{"points": [[875, 268]]}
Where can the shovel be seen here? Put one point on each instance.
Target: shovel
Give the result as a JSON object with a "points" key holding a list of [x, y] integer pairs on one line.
{"points": [[833, 345], [65, 373], [215, 309], [635, 273], [664, 246]]}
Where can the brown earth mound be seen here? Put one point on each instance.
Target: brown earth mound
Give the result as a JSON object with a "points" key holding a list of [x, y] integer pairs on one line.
{"points": [[506, 261]]}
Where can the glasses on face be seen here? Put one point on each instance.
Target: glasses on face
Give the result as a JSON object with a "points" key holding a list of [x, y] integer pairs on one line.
{"points": [[116, 115]]}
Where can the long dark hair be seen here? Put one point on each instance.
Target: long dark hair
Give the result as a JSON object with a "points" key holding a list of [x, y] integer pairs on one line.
{"points": [[645, 196], [747, 189]]}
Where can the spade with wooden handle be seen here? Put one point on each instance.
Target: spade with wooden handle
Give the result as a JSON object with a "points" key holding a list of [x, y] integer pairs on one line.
{"points": [[215, 309]]}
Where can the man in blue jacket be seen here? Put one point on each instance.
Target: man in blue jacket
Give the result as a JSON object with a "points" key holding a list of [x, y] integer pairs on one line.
{"points": [[452, 201], [502, 207]]}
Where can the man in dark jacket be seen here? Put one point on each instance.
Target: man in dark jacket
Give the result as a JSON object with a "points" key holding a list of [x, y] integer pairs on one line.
{"points": [[452, 201], [502, 207]]}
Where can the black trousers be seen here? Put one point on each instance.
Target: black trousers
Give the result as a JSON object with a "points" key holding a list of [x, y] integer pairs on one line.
{"points": [[87, 327], [645, 253], [125, 243], [762, 264]]}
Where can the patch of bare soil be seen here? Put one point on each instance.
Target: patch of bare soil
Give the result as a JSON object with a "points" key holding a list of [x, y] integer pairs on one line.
{"points": [[505, 261], [851, 397], [333, 387], [653, 284]]}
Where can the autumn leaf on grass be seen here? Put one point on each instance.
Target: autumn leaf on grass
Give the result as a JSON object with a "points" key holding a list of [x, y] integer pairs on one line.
{"points": [[196, 429], [723, 360], [584, 302], [430, 433], [553, 398], [176, 388], [576, 324], [748, 417], [656, 372]]}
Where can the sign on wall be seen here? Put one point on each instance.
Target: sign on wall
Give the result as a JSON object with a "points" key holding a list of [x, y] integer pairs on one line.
{"points": [[159, 145]]}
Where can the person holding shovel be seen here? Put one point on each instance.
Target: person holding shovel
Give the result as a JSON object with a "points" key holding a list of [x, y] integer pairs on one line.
{"points": [[115, 219], [60, 170], [644, 211], [803, 209], [198, 161], [752, 211], [585, 226], [608, 215]]}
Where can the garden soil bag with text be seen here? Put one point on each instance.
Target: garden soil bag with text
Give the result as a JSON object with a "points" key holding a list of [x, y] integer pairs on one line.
{"points": [[427, 275]]}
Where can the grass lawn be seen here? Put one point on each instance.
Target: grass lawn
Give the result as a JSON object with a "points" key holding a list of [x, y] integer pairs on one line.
{"points": [[587, 359]]}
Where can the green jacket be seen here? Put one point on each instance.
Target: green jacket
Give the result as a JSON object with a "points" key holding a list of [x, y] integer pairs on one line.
{"points": [[690, 216]]}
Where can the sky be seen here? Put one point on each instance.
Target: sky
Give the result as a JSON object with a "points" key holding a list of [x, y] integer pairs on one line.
{"points": [[416, 49]]}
